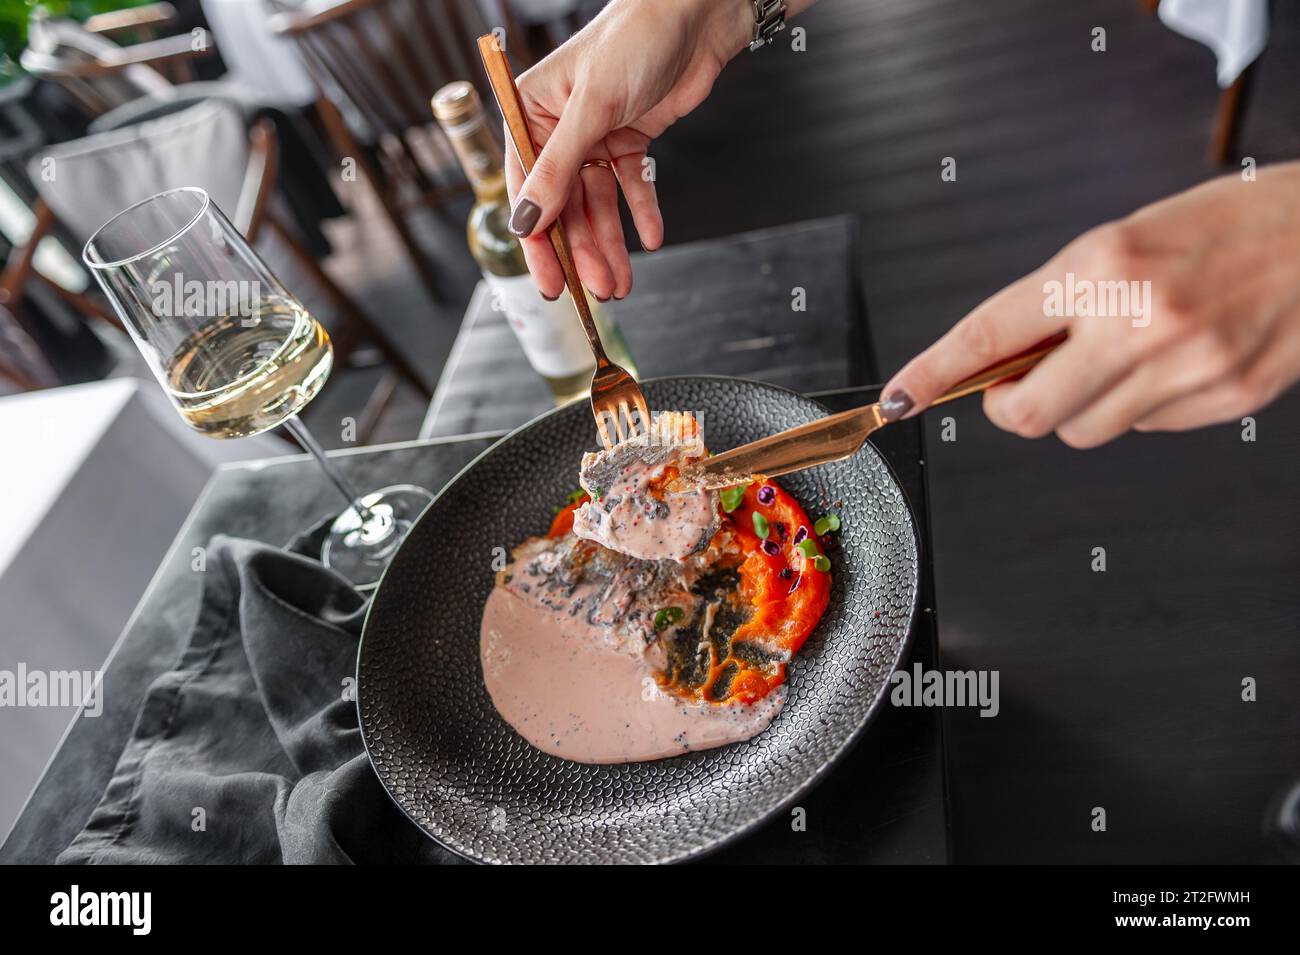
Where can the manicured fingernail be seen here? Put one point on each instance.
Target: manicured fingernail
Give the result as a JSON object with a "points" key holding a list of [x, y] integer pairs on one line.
{"points": [[896, 404], [524, 219], [645, 248], [552, 298], [599, 299]]}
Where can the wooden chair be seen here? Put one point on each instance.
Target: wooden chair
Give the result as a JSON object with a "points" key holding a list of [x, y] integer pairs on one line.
{"points": [[22, 365], [205, 145], [380, 62], [98, 74]]}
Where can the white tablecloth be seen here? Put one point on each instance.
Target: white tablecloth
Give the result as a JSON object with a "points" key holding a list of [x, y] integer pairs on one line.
{"points": [[95, 482]]}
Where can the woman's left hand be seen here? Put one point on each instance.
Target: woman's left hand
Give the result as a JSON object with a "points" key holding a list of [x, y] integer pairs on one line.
{"points": [[1209, 330]]}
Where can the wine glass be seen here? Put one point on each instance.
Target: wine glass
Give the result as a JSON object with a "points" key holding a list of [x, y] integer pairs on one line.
{"points": [[235, 351]]}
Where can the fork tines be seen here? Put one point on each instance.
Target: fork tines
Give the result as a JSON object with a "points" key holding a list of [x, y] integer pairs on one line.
{"points": [[621, 415]]}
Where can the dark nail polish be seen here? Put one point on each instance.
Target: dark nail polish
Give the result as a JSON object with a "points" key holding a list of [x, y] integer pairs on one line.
{"points": [[552, 298], [896, 404], [524, 219], [602, 301]]}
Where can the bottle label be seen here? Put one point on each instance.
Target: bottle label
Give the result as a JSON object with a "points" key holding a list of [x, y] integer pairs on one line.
{"points": [[550, 332]]}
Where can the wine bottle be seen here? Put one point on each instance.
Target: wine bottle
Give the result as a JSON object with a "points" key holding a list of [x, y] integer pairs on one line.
{"points": [[549, 332]]}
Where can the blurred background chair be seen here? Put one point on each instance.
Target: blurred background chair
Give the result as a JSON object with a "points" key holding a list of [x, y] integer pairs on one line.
{"points": [[1237, 31], [22, 365], [85, 182], [97, 73], [377, 64], [45, 339]]}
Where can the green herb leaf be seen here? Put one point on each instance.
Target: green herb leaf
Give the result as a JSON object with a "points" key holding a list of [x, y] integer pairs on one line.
{"points": [[732, 496], [827, 524], [822, 563], [596, 493], [760, 525], [668, 616], [575, 496], [808, 547]]}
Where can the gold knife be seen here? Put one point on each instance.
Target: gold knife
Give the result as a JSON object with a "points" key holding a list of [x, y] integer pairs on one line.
{"points": [[837, 436]]}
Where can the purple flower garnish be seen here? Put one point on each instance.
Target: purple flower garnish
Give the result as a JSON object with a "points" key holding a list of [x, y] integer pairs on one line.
{"points": [[800, 535], [771, 548], [766, 494], [795, 586]]}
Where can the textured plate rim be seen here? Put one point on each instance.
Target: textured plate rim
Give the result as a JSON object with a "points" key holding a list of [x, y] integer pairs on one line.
{"points": [[813, 780]]}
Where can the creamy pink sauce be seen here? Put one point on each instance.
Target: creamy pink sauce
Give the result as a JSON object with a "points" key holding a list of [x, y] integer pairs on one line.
{"points": [[572, 669], [626, 515]]}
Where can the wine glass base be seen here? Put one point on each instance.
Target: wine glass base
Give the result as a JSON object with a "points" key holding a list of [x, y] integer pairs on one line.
{"points": [[360, 550]]}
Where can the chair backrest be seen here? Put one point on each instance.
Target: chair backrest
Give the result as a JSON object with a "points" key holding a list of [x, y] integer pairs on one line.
{"points": [[65, 52], [88, 181], [388, 57]]}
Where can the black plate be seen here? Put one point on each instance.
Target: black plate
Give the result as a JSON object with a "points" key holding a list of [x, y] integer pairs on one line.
{"points": [[464, 776]]}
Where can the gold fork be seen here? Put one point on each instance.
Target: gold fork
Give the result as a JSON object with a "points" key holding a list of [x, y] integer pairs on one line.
{"points": [[614, 393]]}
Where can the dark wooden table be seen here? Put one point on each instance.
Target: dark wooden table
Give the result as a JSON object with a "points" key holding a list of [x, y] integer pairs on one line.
{"points": [[884, 803], [719, 307], [1120, 689]]}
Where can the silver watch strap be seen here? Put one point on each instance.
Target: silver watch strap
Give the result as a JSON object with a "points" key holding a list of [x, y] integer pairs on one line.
{"points": [[769, 20]]}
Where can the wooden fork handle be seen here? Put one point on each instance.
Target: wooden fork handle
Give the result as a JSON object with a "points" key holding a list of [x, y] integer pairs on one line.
{"points": [[502, 79], [1005, 370]]}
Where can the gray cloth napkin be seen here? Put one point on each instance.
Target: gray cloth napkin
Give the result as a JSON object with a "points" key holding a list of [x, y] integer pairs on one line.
{"points": [[249, 751]]}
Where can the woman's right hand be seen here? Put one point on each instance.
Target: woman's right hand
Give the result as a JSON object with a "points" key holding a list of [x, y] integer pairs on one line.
{"points": [[631, 73]]}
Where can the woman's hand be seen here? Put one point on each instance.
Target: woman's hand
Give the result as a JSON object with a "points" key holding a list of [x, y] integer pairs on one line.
{"points": [[1210, 334], [605, 94]]}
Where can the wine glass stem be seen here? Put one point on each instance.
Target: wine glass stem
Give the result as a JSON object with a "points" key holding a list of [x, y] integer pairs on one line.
{"points": [[299, 431]]}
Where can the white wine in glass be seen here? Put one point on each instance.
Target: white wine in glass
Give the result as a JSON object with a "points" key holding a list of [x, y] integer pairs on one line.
{"points": [[279, 365], [235, 351]]}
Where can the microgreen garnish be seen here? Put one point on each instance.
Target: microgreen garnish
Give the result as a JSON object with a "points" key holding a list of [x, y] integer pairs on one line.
{"points": [[732, 496], [576, 496], [760, 526], [596, 492], [808, 547], [667, 616], [822, 562], [827, 524]]}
